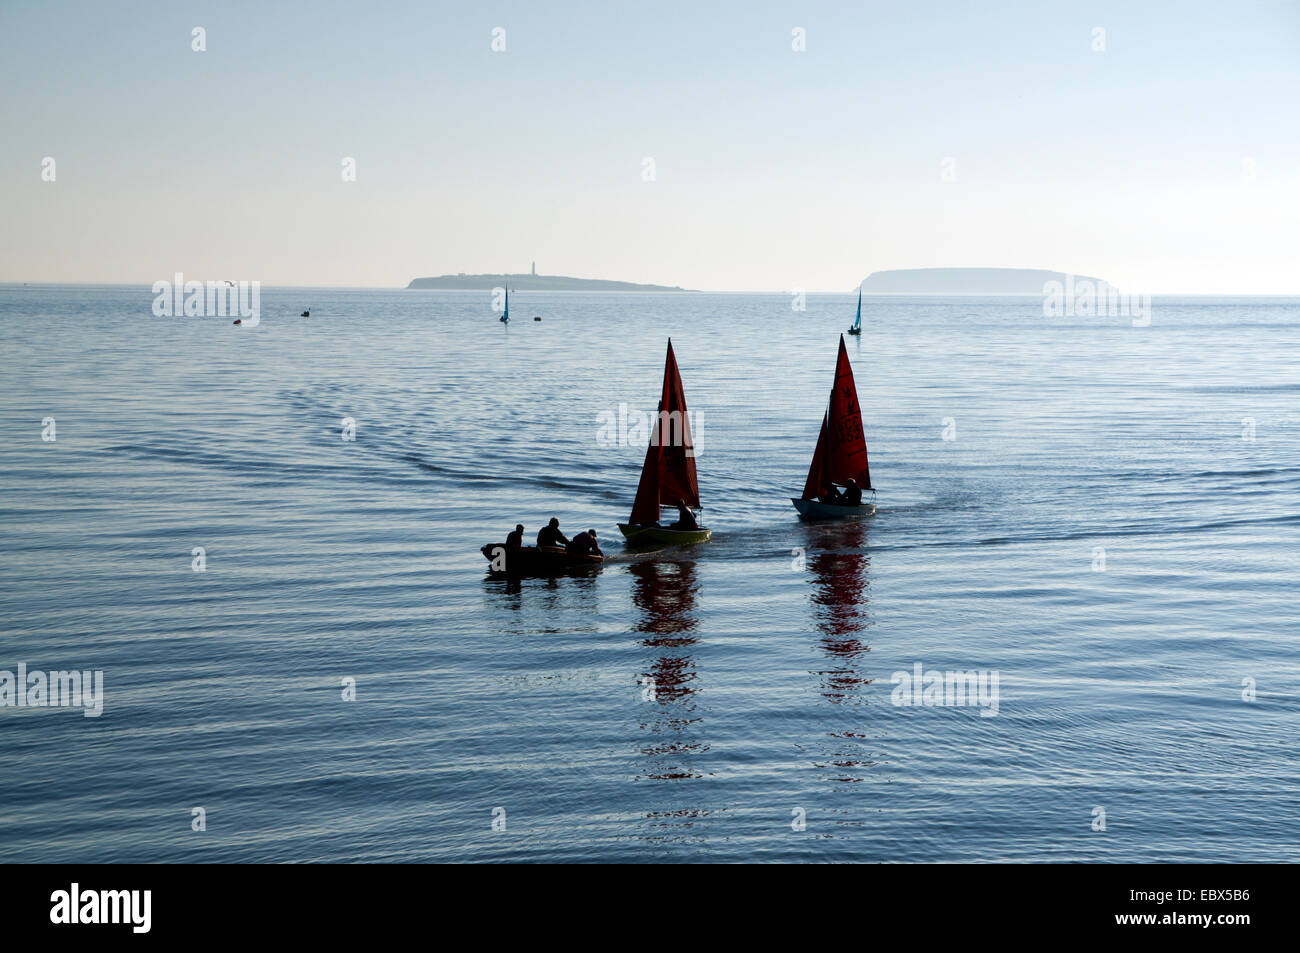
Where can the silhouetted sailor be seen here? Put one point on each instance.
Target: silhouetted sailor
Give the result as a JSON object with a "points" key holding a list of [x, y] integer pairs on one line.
{"points": [[550, 535], [685, 518], [515, 540], [585, 543]]}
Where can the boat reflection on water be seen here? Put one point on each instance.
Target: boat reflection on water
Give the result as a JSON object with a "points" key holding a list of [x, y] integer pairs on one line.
{"points": [[665, 594], [562, 604], [839, 564], [507, 590]]}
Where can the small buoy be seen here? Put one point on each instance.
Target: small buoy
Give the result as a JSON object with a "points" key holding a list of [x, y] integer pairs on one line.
{"points": [[237, 321], [537, 318], [305, 314]]}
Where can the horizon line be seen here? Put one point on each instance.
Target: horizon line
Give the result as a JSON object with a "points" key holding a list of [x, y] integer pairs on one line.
{"points": [[684, 291]]}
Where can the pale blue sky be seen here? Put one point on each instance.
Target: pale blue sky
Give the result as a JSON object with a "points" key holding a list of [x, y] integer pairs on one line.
{"points": [[775, 169]]}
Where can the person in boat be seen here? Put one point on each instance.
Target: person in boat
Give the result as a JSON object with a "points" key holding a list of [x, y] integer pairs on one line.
{"points": [[830, 495], [515, 541], [550, 535], [584, 544], [685, 518], [852, 495]]}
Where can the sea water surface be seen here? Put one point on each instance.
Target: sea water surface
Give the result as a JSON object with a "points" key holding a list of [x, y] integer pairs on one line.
{"points": [[1107, 517]]}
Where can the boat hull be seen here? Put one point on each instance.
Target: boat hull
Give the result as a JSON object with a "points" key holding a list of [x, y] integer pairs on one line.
{"points": [[638, 535], [537, 560], [816, 510]]}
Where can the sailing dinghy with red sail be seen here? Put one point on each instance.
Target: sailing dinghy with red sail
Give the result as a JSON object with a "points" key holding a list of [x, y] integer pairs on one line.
{"points": [[668, 474], [841, 453]]}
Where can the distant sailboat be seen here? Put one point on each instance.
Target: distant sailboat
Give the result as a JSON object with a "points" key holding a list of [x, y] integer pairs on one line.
{"points": [[841, 453], [668, 474], [856, 327], [505, 318]]}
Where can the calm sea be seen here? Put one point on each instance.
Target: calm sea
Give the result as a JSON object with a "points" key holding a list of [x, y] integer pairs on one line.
{"points": [[1106, 518]]}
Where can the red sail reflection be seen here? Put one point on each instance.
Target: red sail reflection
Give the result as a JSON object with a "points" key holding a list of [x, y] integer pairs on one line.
{"points": [[839, 565], [665, 593]]}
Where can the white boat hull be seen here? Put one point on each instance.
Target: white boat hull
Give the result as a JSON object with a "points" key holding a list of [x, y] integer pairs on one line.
{"points": [[816, 510]]}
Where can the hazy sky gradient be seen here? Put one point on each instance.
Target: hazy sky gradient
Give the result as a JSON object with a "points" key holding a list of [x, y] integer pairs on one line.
{"points": [[775, 169]]}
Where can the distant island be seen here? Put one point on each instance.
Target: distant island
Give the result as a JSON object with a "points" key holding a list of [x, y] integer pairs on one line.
{"points": [[969, 281], [530, 282]]}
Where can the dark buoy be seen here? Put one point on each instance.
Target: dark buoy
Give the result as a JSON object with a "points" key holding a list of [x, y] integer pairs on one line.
{"points": [[237, 321], [305, 314], [537, 318]]}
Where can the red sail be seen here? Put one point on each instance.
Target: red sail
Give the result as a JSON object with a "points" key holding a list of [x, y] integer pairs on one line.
{"points": [[841, 452], [816, 481], [668, 474]]}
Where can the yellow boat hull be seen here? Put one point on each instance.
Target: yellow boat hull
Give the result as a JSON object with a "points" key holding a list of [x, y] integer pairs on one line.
{"points": [[641, 535]]}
